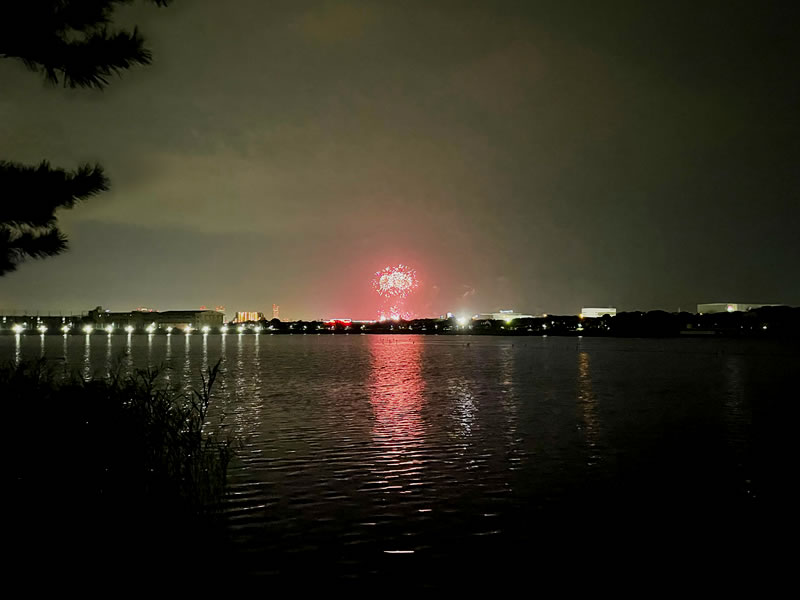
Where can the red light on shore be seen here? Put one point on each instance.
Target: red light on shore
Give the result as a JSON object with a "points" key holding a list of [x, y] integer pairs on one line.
{"points": [[338, 322]]}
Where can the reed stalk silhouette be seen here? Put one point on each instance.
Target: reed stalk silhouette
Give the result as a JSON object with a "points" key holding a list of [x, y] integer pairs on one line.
{"points": [[112, 465]]}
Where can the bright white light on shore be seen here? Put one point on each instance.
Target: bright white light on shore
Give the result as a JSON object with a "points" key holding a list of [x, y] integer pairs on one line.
{"points": [[87, 329], [42, 329], [240, 329], [109, 329], [224, 329], [257, 329], [169, 329], [17, 329], [462, 321], [65, 328], [129, 329], [206, 329], [187, 330], [151, 328]]}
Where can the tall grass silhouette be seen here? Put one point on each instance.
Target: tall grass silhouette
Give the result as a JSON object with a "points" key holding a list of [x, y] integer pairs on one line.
{"points": [[123, 471]]}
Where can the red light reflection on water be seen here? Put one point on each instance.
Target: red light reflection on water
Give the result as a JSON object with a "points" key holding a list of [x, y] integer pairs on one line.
{"points": [[396, 392]]}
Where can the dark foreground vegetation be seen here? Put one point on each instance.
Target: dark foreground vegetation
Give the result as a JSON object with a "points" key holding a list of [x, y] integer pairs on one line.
{"points": [[111, 477]]}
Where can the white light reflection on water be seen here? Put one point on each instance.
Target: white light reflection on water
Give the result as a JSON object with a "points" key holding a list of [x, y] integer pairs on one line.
{"points": [[168, 357], [17, 349], [128, 353], [109, 355], [738, 419], [204, 360], [509, 402], [186, 374], [257, 367], [255, 394], [87, 356], [150, 364], [239, 371], [223, 363], [587, 405], [465, 409]]}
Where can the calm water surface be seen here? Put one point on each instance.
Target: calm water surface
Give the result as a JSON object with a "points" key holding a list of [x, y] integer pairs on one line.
{"points": [[432, 457]]}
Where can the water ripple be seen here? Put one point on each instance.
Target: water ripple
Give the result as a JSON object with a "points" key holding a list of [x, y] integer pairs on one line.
{"points": [[366, 449]]}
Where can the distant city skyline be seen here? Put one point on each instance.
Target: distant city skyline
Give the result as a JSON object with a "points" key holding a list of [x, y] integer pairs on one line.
{"points": [[495, 313]]}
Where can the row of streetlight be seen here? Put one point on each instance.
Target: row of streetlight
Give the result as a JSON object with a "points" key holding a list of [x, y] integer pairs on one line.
{"points": [[109, 329]]}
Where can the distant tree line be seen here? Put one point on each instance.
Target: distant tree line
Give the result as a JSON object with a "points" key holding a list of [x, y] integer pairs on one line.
{"points": [[771, 321]]}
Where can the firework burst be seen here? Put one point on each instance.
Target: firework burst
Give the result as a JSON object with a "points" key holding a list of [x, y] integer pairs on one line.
{"points": [[395, 282], [394, 285]]}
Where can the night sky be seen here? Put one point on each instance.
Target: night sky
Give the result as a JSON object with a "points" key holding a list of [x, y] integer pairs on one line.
{"points": [[541, 156]]}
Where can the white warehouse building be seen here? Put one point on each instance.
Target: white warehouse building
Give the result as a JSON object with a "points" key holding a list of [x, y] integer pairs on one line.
{"points": [[593, 313], [502, 315]]}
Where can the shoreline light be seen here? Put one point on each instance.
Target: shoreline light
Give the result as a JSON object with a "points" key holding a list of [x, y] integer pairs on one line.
{"points": [[18, 329], [109, 329], [42, 329], [87, 329], [129, 329]]}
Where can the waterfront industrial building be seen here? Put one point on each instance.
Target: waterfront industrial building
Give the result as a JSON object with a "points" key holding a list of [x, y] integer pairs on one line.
{"points": [[196, 319], [140, 320], [593, 313], [166, 320], [501, 315]]}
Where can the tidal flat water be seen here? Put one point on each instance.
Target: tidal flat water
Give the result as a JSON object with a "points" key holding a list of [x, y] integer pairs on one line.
{"points": [[453, 461]]}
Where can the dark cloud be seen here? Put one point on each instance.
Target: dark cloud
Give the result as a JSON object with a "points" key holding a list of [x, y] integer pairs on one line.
{"points": [[634, 154]]}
